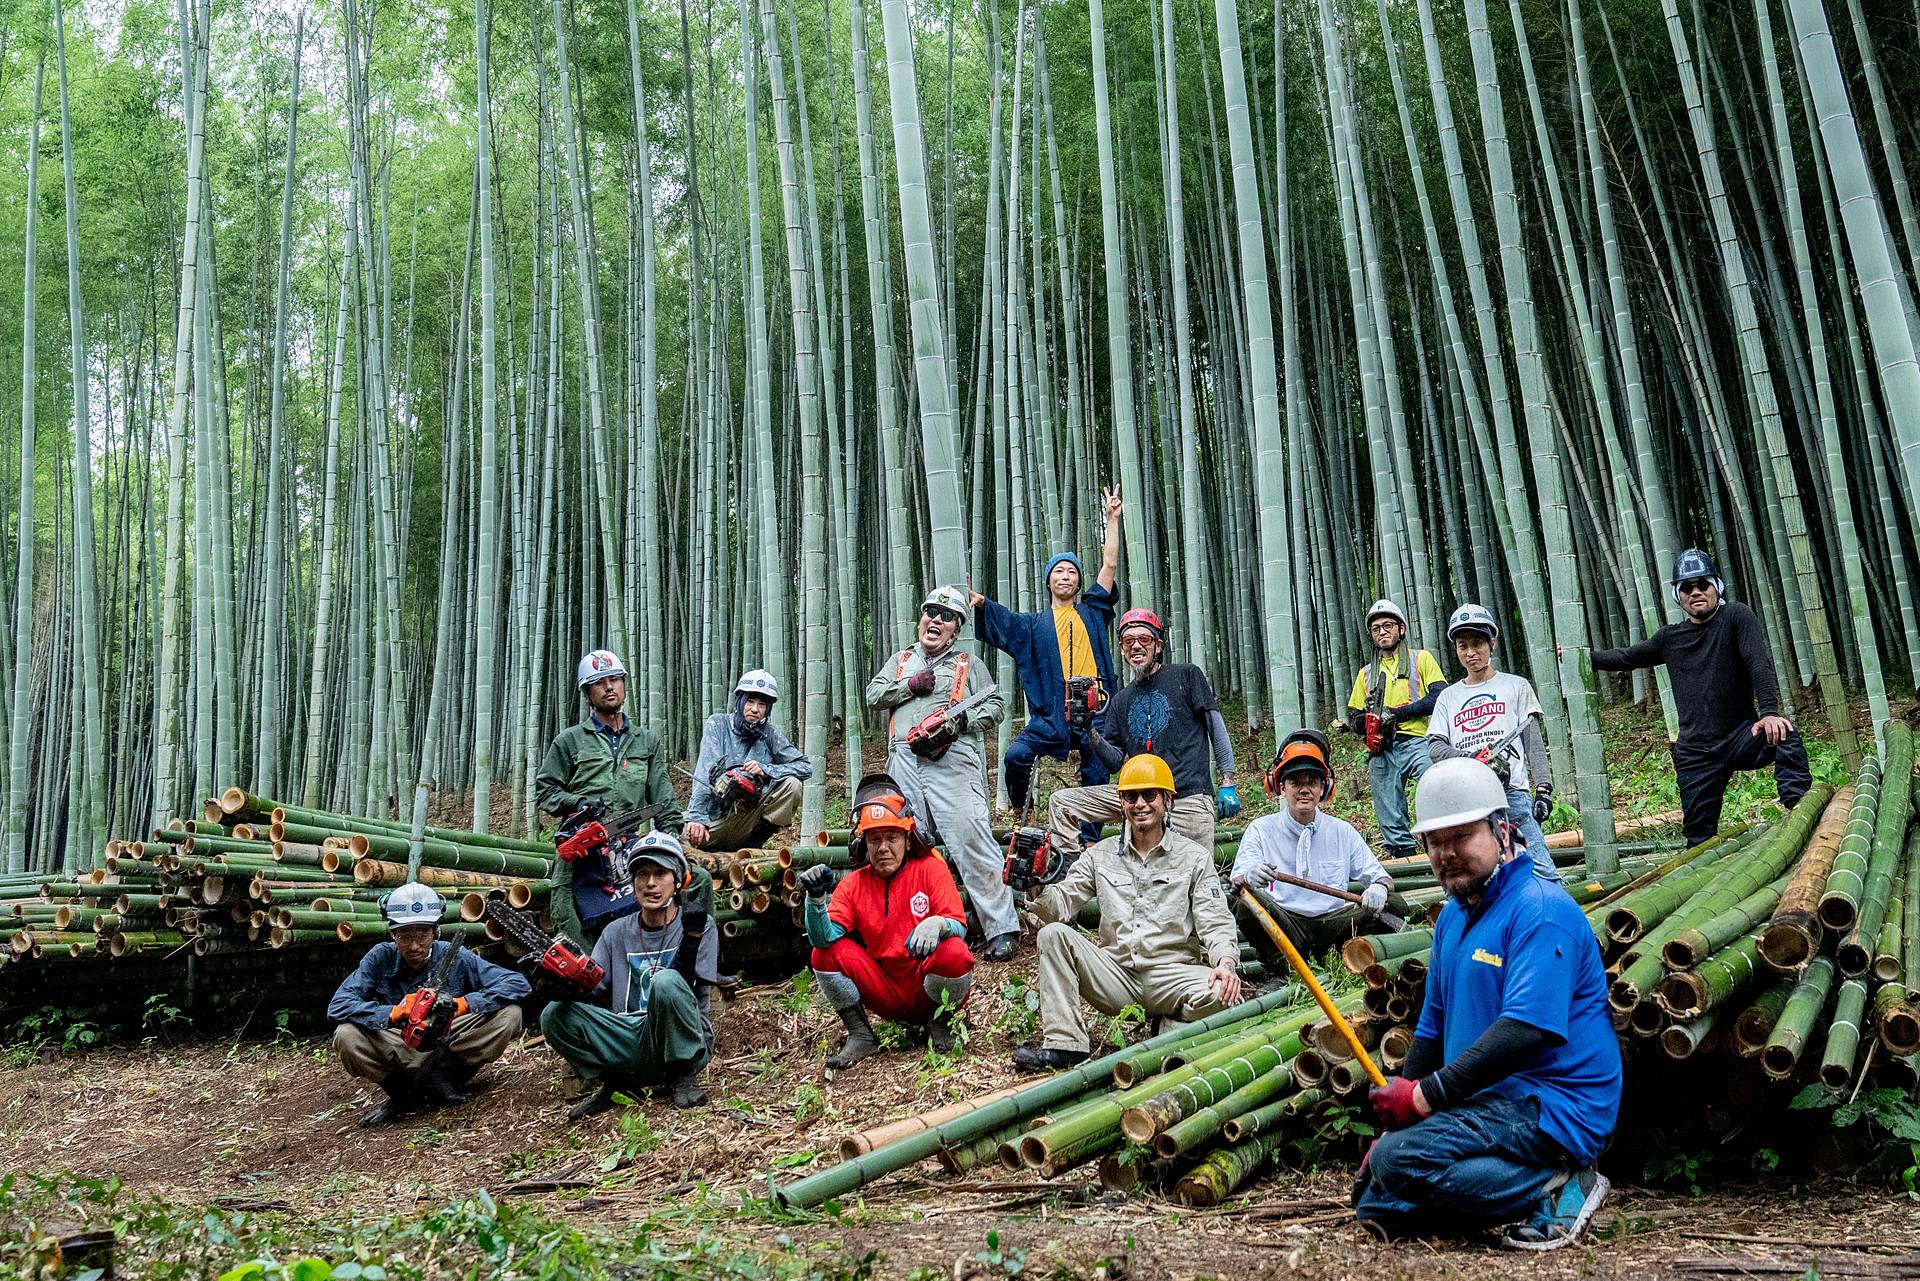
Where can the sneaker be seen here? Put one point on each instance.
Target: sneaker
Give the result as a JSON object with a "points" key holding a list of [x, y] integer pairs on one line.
{"points": [[1046, 1059], [1564, 1213]]}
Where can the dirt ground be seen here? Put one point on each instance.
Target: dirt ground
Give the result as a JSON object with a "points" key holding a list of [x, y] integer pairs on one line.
{"points": [[273, 1126]]}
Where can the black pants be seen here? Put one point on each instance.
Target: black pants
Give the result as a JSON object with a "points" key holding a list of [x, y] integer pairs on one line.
{"points": [[1702, 769], [1311, 935]]}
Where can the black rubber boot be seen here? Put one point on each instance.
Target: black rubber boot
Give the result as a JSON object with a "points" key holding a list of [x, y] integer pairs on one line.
{"points": [[688, 1092], [592, 1104], [859, 1042], [438, 1087], [398, 1099], [1028, 1059]]}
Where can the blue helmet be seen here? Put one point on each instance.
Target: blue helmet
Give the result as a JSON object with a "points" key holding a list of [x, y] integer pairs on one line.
{"points": [[1694, 563]]}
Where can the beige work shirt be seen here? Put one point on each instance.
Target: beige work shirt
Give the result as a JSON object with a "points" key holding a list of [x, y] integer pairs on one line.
{"points": [[1165, 906]]}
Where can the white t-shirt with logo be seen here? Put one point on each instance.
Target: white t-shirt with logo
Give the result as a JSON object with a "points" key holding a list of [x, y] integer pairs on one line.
{"points": [[1472, 717]]}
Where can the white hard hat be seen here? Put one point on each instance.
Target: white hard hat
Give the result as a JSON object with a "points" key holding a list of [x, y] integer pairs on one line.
{"points": [[1456, 791], [412, 904], [949, 598], [599, 665], [1472, 618], [761, 683], [662, 848], [1387, 607]]}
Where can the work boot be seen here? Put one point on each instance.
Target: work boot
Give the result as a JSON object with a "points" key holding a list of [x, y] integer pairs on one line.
{"points": [[438, 1089], [942, 1036], [688, 1092], [859, 1042], [397, 1100], [1001, 947], [593, 1104], [1046, 1059]]}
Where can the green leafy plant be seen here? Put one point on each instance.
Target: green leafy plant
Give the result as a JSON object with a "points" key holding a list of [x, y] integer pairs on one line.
{"points": [[1010, 1261], [634, 1139], [1114, 1028], [1021, 1017], [808, 1102], [1678, 1169]]}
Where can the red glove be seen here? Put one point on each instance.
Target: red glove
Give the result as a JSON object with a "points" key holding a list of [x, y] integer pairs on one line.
{"points": [[920, 684], [1397, 1105]]}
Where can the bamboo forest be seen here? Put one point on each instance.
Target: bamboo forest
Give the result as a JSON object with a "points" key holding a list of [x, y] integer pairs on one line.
{"points": [[374, 359]]}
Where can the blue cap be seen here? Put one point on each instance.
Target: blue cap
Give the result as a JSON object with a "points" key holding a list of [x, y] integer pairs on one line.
{"points": [[1069, 558]]}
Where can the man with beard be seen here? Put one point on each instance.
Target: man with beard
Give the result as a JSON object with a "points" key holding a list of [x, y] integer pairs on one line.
{"points": [[748, 777], [1512, 1086], [940, 701], [1168, 710], [1726, 692]]}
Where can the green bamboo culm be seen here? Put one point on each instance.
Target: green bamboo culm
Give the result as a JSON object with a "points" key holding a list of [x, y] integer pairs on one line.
{"points": [[1214, 1179], [1861, 924], [1841, 1058], [1794, 933], [1794, 1028], [1748, 1033], [1846, 884], [1687, 995]]}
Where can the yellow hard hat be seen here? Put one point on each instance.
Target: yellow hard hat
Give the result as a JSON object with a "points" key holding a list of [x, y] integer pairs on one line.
{"points": [[1144, 773]]}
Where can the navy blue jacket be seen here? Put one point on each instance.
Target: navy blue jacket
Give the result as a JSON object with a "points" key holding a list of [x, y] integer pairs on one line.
{"points": [[366, 996], [1029, 639]]}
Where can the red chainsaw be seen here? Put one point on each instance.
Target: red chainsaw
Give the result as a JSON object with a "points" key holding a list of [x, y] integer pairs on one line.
{"points": [[429, 1013], [558, 957], [939, 730]]}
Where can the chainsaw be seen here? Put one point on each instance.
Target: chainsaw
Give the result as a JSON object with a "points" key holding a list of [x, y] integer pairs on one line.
{"points": [[938, 730], [557, 956], [429, 1014], [736, 787], [1031, 859], [1498, 750], [1083, 703], [586, 832]]}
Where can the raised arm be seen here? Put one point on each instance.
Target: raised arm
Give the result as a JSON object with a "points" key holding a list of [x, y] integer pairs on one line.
{"points": [[1110, 549]]}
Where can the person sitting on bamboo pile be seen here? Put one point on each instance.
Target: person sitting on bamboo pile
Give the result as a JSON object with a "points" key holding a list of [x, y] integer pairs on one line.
{"points": [[1065, 668], [940, 701], [1168, 710], [1392, 697], [374, 1005], [608, 761], [1166, 944], [748, 777], [1497, 714], [889, 937], [647, 1025], [1726, 692], [1305, 842], [1512, 1086]]}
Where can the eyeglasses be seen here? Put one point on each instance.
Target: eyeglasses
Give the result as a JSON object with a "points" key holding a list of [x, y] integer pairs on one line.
{"points": [[1384, 625], [939, 615], [1693, 585], [1137, 638]]}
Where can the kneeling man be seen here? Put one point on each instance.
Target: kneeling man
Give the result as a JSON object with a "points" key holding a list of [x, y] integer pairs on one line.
{"points": [[1513, 1083], [1167, 942], [419, 1017], [891, 936]]}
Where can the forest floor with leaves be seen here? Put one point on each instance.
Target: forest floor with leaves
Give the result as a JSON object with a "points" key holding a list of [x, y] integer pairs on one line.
{"points": [[208, 1152]]}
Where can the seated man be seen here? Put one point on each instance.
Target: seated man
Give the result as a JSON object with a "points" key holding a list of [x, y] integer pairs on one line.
{"points": [[748, 778], [1166, 944], [890, 937], [1301, 841], [378, 1004], [654, 1032], [1513, 1083]]}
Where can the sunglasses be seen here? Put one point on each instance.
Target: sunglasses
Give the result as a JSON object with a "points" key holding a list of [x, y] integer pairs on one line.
{"points": [[939, 615], [1137, 638], [1693, 585]]}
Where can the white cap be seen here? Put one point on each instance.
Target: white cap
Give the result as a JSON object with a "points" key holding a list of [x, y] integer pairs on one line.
{"points": [[759, 682], [1456, 791], [949, 598], [412, 904], [599, 665]]}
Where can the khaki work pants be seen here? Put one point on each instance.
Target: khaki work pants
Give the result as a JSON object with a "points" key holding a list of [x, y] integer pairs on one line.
{"points": [[1191, 816], [775, 809], [473, 1041], [1073, 966]]}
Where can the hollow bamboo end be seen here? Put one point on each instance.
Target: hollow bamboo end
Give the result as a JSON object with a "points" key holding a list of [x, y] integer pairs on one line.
{"points": [[473, 906], [1009, 1154], [359, 844], [1853, 958], [1837, 914], [1166, 1147], [232, 800], [1777, 1061], [1678, 954], [1623, 997], [1786, 947], [1647, 1019], [1357, 954], [520, 895], [1900, 1031], [1140, 1124]]}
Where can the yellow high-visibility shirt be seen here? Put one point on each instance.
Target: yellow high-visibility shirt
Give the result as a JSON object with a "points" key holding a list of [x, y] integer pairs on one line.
{"points": [[1399, 690], [1076, 651]]}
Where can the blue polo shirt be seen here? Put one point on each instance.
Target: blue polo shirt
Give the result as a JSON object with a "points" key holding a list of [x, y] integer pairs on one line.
{"points": [[1527, 953]]}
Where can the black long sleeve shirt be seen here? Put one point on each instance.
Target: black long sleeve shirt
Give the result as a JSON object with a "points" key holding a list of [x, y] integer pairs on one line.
{"points": [[1722, 674]]}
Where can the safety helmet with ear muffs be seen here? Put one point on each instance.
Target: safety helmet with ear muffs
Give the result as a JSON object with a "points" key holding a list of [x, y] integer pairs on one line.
{"points": [[880, 806], [662, 849], [1304, 751]]}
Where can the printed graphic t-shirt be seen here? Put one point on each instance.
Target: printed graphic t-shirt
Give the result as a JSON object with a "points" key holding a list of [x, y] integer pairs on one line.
{"points": [[1477, 716]]}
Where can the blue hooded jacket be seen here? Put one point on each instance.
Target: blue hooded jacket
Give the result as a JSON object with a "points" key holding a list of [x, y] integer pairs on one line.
{"points": [[1034, 646]]}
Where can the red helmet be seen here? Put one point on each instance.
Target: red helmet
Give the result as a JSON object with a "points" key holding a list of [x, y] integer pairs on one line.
{"points": [[1144, 618]]}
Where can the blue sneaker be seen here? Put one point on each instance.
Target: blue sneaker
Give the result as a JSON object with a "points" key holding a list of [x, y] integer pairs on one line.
{"points": [[1564, 1213]]}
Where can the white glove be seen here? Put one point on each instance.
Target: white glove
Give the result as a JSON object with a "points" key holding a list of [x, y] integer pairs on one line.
{"points": [[926, 937], [1373, 898]]}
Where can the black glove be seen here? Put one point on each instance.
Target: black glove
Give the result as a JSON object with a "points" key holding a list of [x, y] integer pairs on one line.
{"points": [[817, 881], [1542, 804], [693, 928], [920, 684], [589, 811]]}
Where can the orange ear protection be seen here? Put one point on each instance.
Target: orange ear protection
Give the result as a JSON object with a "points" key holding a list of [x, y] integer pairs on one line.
{"points": [[1300, 750]]}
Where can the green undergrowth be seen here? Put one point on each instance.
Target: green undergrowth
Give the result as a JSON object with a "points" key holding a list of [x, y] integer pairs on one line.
{"points": [[472, 1237]]}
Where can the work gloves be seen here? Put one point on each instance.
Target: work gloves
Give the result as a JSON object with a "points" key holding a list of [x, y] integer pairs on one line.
{"points": [[1397, 1105], [1542, 803], [920, 684], [1373, 899], [926, 937], [1226, 802], [817, 881]]}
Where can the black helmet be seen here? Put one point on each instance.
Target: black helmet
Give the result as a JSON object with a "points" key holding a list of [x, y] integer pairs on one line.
{"points": [[1694, 563]]}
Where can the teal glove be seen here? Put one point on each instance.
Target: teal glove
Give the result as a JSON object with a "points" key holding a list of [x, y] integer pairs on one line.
{"points": [[1227, 801]]}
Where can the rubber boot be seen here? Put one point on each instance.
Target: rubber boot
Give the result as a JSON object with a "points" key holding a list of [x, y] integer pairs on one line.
{"points": [[599, 1100], [688, 1092], [859, 1042], [438, 1087], [398, 1100]]}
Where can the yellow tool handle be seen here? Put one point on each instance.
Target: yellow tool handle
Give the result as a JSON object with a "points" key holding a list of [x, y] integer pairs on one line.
{"points": [[1299, 964]]}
